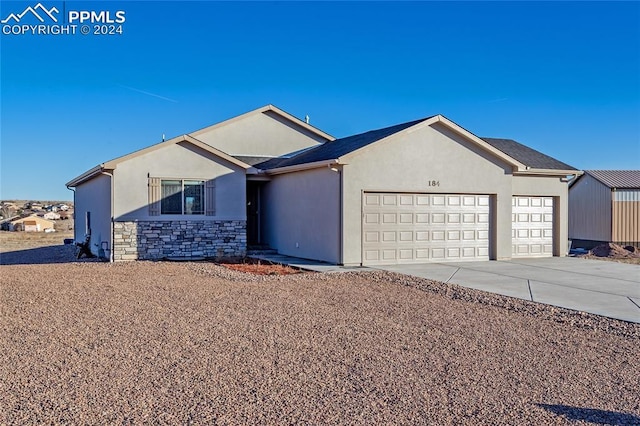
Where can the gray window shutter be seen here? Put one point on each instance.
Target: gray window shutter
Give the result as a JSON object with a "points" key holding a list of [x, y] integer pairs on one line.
{"points": [[210, 197], [154, 196]]}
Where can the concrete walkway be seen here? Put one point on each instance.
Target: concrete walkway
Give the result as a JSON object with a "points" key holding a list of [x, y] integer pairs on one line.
{"points": [[599, 287]]}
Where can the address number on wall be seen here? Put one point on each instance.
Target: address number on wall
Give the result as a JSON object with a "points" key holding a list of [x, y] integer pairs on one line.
{"points": [[433, 183]]}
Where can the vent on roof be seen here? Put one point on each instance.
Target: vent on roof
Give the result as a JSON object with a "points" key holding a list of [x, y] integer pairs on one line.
{"points": [[306, 119]]}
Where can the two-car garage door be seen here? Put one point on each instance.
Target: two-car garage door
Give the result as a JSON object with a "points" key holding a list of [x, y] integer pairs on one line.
{"points": [[415, 228]]}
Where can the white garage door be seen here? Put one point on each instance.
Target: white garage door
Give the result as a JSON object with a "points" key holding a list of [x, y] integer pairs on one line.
{"points": [[414, 228], [532, 231]]}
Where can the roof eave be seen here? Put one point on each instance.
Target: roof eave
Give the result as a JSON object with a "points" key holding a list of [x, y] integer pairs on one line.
{"points": [[528, 171], [88, 175], [301, 167]]}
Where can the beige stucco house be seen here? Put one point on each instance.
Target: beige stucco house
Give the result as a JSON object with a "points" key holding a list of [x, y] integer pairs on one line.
{"points": [[422, 191], [31, 223]]}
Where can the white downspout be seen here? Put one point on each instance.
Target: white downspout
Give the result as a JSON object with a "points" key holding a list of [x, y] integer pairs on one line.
{"points": [[111, 213]]}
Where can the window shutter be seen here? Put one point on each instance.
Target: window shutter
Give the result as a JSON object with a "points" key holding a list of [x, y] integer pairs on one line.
{"points": [[154, 196], [210, 197]]}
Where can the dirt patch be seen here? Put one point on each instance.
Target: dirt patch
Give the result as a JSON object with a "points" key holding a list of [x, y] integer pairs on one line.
{"points": [[10, 241], [258, 267], [199, 343], [614, 253]]}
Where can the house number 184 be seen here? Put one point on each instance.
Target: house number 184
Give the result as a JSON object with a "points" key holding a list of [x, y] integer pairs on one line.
{"points": [[434, 183]]}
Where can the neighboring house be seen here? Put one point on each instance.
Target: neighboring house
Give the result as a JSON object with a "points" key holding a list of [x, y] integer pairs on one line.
{"points": [[604, 206], [422, 191], [31, 224], [51, 216]]}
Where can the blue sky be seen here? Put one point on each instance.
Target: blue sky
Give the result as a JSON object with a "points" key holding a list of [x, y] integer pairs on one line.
{"points": [[563, 78]]}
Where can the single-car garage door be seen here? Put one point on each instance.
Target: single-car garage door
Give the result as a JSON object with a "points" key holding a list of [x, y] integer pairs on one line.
{"points": [[532, 226], [414, 228]]}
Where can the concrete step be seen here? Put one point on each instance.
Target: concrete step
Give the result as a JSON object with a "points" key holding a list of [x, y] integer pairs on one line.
{"points": [[261, 251]]}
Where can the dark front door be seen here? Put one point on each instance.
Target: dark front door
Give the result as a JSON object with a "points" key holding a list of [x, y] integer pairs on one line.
{"points": [[253, 213]]}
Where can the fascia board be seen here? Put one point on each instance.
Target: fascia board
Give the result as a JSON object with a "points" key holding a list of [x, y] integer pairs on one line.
{"points": [[88, 175], [300, 167], [547, 172]]}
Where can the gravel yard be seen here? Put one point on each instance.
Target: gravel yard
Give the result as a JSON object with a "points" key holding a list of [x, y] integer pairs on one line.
{"points": [[180, 343]]}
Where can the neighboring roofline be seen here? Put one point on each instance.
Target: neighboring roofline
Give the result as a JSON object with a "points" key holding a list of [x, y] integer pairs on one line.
{"points": [[31, 216], [304, 166], [264, 109], [112, 164], [606, 185]]}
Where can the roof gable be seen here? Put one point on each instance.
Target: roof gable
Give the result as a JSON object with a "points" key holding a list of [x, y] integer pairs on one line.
{"points": [[112, 164], [267, 109], [266, 131], [522, 158], [337, 148]]}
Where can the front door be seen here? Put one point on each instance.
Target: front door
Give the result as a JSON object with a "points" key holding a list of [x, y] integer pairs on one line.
{"points": [[253, 213]]}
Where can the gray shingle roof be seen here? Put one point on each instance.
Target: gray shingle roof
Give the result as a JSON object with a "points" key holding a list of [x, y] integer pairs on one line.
{"points": [[623, 179], [251, 160], [527, 156], [337, 148]]}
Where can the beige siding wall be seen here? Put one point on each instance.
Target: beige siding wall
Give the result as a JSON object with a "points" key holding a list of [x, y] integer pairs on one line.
{"points": [[625, 217], [261, 134], [408, 163], [589, 210], [94, 196], [184, 161], [549, 187], [301, 214]]}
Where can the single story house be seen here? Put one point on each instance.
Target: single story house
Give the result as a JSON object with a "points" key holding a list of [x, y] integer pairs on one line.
{"points": [[422, 191], [51, 215], [604, 207], [31, 223]]}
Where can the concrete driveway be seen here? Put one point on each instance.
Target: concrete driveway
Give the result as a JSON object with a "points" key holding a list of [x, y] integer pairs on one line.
{"points": [[604, 288]]}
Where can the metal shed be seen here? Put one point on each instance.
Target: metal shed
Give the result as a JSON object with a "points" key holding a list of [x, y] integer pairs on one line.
{"points": [[604, 206]]}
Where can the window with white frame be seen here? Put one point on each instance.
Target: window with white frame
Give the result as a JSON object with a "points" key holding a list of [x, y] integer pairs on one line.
{"points": [[181, 197]]}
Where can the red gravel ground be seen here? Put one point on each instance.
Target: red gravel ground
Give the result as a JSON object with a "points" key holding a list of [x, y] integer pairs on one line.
{"points": [[196, 343]]}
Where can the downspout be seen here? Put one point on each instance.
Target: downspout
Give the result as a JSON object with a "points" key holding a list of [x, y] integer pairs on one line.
{"points": [[340, 218], [111, 221], [74, 210]]}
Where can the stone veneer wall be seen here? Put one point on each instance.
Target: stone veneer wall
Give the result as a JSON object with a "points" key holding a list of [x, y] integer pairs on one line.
{"points": [[149, 240]]}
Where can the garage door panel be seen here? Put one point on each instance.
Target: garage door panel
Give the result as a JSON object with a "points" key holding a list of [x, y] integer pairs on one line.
{"points": [[371, 218], [371, 236], [422, 235], [532, 226], [410, 228], [407, 200], [406, 218]]}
